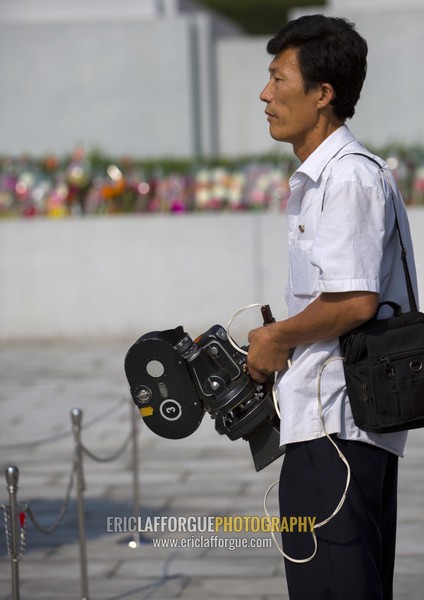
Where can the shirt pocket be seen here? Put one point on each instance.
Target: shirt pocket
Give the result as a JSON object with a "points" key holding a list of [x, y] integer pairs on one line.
{"points": [[303, 273]]}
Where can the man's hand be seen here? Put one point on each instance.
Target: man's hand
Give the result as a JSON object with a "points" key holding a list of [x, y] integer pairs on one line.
{"points": [[328, 316], [265, 355]]}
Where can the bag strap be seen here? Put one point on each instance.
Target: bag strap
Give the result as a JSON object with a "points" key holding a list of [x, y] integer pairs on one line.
{"points": [[410, 290], [411, 296]]}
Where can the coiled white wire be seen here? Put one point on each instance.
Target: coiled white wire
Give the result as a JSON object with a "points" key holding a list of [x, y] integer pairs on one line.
{"points": [[321, 416], [243, 351]]}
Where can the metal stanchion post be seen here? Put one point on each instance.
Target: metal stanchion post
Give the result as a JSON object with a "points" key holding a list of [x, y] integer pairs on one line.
{"points": [[76, 417], [135, 465], [12, 477]]}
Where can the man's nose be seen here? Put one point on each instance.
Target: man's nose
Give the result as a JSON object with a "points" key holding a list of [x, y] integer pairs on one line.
{"points": [[266, 94]]}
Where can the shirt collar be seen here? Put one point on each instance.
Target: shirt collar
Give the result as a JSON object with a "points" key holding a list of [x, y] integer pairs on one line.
{"points": [[319, 159]]}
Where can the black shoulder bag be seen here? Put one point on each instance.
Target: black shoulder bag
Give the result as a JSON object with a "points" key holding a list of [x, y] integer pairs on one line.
{"points": [[384, 364]]}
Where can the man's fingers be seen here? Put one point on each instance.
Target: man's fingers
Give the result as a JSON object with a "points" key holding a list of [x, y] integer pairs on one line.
{"points": [[257, 375]]}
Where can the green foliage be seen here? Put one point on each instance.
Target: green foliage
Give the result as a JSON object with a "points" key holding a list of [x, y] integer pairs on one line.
{"points": [[258, 17]]}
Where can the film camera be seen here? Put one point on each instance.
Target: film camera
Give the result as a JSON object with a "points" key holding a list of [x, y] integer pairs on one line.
{"points": [[175, 380]]}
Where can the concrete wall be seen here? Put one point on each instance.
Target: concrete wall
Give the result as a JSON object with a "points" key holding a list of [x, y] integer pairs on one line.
{"points": [[123, 276], [119, 277], [98, 85], [125, 77], [242, 65]]}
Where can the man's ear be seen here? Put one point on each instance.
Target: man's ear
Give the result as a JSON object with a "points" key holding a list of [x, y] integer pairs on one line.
{"points": [[326, 96]]}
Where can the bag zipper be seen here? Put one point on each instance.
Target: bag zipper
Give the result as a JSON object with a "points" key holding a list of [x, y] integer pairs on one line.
{"points": [[391, 357]]}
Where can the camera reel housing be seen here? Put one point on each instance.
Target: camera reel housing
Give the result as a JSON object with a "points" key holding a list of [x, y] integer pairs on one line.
{"points": [[174, 381]]}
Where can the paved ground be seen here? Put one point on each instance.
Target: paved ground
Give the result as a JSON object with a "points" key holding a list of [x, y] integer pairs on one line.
{"points": [[201, 475]]}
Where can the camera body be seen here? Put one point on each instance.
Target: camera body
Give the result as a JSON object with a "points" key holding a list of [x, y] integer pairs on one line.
{"points": [[174, 381]]}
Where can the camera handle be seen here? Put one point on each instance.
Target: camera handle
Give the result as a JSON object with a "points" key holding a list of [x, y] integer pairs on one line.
{"points": [[267, 314]]}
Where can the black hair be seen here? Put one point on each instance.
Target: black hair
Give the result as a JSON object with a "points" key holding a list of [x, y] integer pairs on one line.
{"points": [[330, 51]]}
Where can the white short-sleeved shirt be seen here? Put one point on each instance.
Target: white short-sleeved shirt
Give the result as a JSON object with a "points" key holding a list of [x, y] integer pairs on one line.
{"points": [[342, 238]]}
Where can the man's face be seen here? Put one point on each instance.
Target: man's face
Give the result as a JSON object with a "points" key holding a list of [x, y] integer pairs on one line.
{"points": [[292, 113]]}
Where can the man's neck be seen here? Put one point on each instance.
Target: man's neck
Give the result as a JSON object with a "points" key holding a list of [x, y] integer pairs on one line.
{"points": [[323, 130]]}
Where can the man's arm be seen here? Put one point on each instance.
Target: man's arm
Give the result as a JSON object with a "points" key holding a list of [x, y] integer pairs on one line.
{"points": [[327, 317]]}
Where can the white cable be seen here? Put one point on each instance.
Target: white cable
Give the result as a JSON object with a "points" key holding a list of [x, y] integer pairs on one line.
{"points": [[279, 548], [235, 315], [239, 349], [339, 452], [321, 416], [275, 397], [348, 476]]}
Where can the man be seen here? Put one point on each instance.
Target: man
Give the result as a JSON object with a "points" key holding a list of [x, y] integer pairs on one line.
{"points": [[344, 258]]}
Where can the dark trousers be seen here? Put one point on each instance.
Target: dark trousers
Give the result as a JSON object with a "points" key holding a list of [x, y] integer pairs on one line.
{"points": [[356, 549]]}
